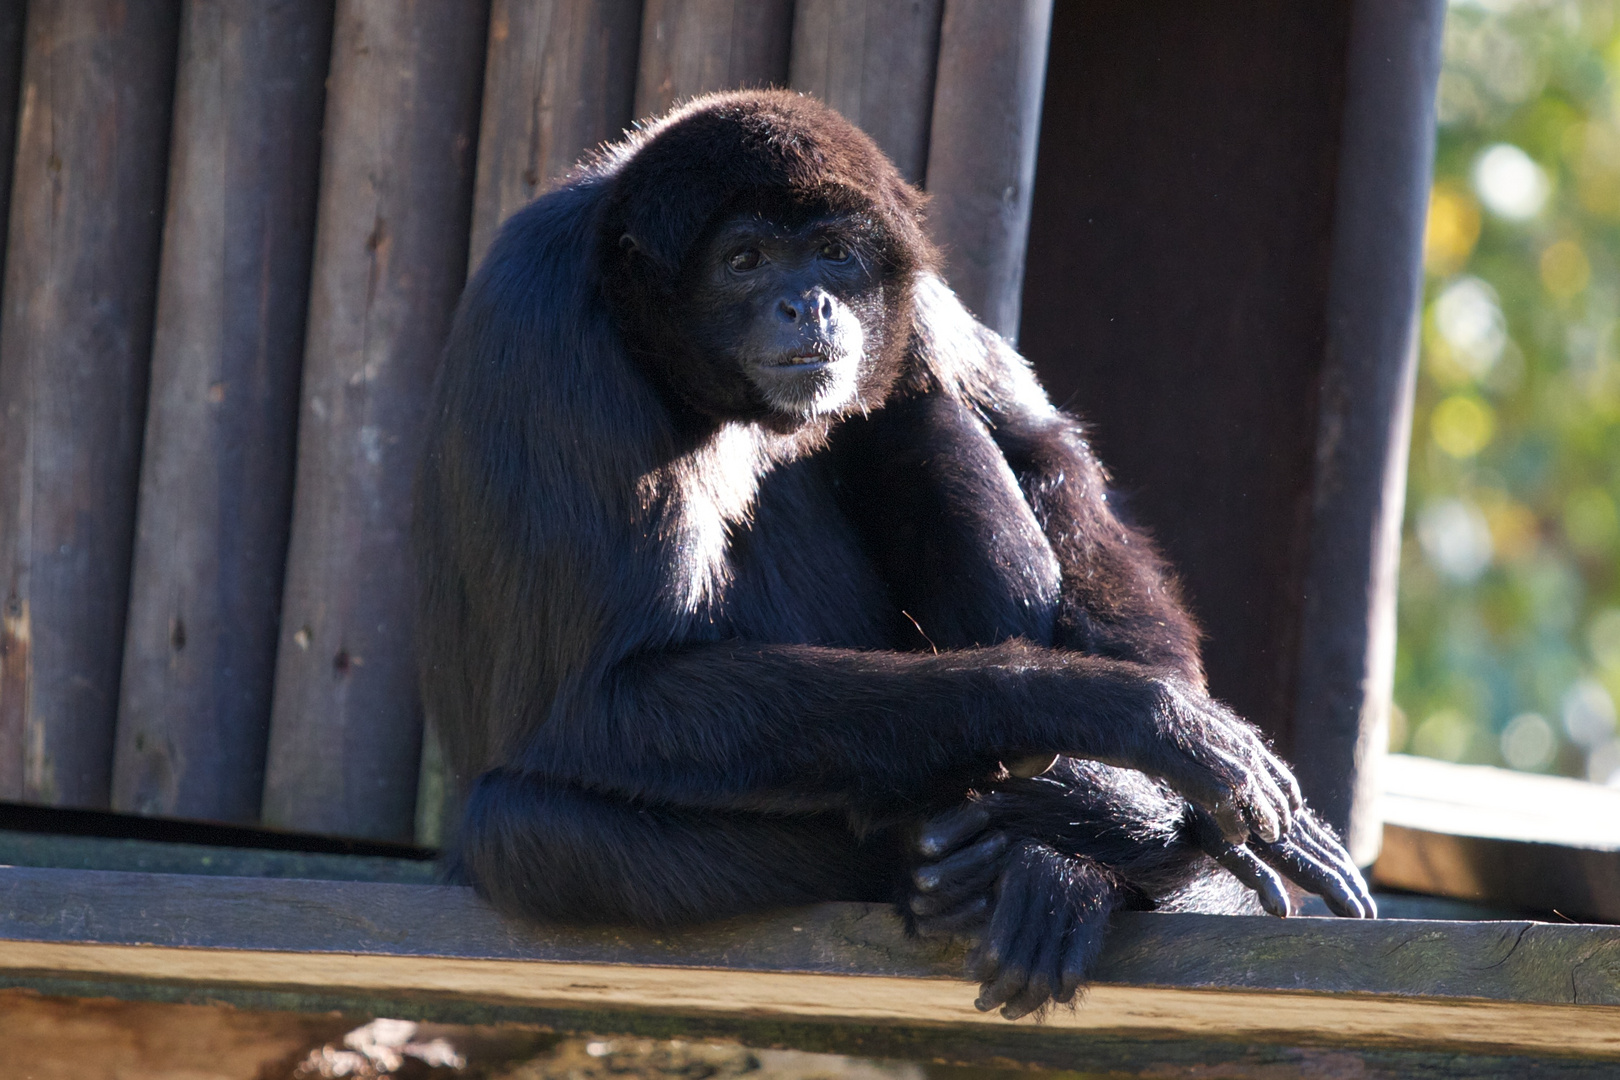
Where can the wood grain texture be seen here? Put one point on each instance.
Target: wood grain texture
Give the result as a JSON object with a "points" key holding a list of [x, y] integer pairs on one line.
{"points": [[390, 260], [221, 429], [66, 1039], [13, 21], [1368, 372], [691, 47], [560, 79], [1478, 988], [1540, 843], [981, 151], [75, 341], [873, 61]]}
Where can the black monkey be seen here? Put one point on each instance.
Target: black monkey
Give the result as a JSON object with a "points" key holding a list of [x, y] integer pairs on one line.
{"points": [[756, 572]]}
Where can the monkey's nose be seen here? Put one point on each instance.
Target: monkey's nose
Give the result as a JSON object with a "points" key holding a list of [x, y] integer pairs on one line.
{"points": [[794, 309]]}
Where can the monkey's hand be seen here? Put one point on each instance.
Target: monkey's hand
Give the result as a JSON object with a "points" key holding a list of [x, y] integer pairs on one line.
{"points": [[1310, 856], [1037, 916], [1218, 762]]}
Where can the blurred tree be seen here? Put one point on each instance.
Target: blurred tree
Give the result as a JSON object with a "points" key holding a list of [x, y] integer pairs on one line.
{"points": [[1509, 646]]}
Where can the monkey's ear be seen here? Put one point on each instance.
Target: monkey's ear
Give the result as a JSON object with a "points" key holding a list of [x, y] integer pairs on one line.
{"points": [[628, 244]]}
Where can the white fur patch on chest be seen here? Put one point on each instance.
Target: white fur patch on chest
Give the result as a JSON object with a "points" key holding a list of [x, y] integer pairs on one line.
{"points": [[695, 504]]}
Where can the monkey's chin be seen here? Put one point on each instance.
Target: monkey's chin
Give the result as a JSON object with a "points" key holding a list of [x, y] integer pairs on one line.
{"points": [[807, 386]]}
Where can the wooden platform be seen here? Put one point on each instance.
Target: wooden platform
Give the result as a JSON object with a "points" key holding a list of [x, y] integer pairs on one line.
{"points": [[842, 977]]}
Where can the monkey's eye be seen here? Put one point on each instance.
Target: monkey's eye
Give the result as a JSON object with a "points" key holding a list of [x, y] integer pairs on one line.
{"points": [[833, 251], [746, 259]]}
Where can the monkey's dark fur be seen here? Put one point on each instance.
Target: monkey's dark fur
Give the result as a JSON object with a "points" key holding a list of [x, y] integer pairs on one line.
{"points": [[734, 597]]}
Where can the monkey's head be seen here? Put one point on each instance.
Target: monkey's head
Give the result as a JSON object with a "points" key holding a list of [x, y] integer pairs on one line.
{"points": [[759, 253]]}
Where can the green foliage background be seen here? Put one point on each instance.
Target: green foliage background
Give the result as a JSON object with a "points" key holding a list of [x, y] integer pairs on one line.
{"points": [[1509, 639]]}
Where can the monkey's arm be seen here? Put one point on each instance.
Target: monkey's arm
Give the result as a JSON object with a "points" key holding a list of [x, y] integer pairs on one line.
{"points": [[794, 728]]}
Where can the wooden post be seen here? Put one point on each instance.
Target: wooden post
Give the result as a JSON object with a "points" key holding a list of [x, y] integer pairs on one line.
{"points": [[75, 339], [13, 18], [873, 61], [981, 154], [691, 47], [390, 259], [221, 432], [1347, 622], [560, 79]]}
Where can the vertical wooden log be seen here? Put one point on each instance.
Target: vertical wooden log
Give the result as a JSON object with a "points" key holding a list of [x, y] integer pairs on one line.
{"points": [[1347, 623], [691, 47], [560, 79], [221, 431], [390, 259], [981, 154], [13, 18], [873, 61], [75, 339]]}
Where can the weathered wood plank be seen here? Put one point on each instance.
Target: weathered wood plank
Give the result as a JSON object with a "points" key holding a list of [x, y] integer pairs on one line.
{"points": [[1480, 987], [1368, 371], [1542, 843], [559, 80], [64, 1039], [52, 850], [13, 19], [873, 61], [1527, 963], [221, 429], [981, 151], [691, 47], [390, 259], [75, 340]]}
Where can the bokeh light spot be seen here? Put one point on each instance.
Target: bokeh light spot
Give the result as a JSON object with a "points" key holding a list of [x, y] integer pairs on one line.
{"points": [[1565, 269], [1603, 638], [1588, 713], [1510, 184], [1462, 425], [1529, 742], [1445, 734], [1456, 538], [1451, 231]]}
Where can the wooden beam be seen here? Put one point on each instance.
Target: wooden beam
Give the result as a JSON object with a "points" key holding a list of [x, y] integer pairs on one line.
{"points": [[873, 61], [691, 47], [560, 79], [390, 260], [1364, 414], [981, 150], [221, 427], [75, 341], [1542, 843], [1480, 988]]}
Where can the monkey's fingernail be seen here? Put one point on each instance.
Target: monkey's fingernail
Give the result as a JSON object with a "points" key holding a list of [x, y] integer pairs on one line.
{"points": [[927, 879]]}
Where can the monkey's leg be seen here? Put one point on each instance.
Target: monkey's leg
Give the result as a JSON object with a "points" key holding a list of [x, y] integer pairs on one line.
{"points": [[549, 851]]}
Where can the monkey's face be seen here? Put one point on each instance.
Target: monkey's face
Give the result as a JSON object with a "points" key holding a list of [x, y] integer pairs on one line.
{"points": [[783, 316]]}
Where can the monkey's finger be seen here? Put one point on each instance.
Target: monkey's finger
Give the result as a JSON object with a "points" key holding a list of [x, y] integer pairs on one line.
{"points": [[955, 892], [998, 962], [1267, 803], [1317, 839], [1304, 870], [1045, 963], [959, 922], [1079, 954], [1285, 779], [986, 852], [949, 831], [1247, 868]]}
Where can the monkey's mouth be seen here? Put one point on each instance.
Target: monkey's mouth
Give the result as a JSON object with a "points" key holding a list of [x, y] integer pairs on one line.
{"points": [[800, 365]]}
